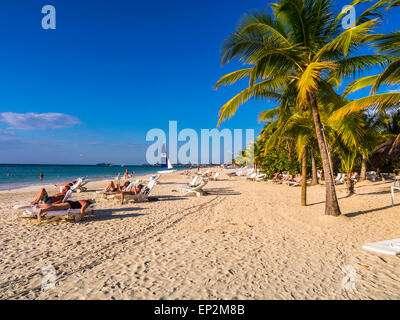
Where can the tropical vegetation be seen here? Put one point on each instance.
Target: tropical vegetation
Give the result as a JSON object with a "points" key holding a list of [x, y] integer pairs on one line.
{"points": [[298, 56]]}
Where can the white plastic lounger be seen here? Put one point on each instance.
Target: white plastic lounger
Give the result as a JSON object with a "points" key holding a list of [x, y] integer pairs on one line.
{"points": [[29, 206], [261, 177], [215, 176], [391, 247], [142, 196], [75, 213], [197, 191], [129, 187], [295, 183], [252, 176]]}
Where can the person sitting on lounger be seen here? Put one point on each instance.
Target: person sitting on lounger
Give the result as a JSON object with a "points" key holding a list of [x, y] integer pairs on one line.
{"points": [[288, 178], [81, 204], [277, 176], [134, 191], [297, 178], [112, 189], [43, 197]]}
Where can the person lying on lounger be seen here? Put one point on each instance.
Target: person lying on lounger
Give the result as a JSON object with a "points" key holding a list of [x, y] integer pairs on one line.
{"points": [[68, 184], [81, 204], [43, 197], [134, 191], [112, 189], [289, 177]]}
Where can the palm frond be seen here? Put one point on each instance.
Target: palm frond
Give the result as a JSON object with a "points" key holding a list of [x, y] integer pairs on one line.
{"points": [[259, 90], [310, 78], [347, 40], [233, 77], [376, 102], [391, 75], [359, 84]]}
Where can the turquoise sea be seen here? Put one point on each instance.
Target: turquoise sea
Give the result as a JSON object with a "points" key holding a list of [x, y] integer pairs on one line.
{"points": [[18, 175]]}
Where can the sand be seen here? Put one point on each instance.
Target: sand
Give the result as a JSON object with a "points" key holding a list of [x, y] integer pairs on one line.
{"points": [[243, 240]]}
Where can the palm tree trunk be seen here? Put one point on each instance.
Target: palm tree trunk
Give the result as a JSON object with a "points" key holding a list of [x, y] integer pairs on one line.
{"points": [[363, 174], [349, 184], [314, 180], [332, 205], [304, 177]]}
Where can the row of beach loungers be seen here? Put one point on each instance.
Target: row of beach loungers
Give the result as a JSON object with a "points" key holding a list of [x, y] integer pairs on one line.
{"points": [[31, 211], [195, 187]]}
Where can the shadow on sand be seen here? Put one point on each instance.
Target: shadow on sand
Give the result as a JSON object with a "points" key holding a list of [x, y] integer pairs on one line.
{"points": [[355, 214], [109, 214], [221, 192]]}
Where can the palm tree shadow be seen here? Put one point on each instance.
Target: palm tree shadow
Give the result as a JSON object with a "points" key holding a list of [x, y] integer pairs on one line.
{"points": [[371, 185], [320, 202], [370, 193], [355, 214]]}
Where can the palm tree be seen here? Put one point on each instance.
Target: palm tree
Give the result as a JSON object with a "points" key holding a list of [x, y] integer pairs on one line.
{"points": [[390, 45], [298, 52]]}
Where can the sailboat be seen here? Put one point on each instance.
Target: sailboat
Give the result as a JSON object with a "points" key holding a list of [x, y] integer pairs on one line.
{"points": [[165, 163]]}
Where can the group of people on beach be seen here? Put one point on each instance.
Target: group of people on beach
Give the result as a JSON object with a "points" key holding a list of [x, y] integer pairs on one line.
{"points": [[112, 189], [56, 202], [46, 203]]}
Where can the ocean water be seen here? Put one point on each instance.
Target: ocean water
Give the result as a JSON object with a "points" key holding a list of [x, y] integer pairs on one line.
{"points": [[19, 175]]}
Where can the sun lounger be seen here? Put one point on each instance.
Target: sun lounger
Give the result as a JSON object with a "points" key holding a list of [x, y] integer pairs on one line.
{"points": [[392, 189], [215, 176], [391, 247], [28, 205], [72, 213], [372, 175], [142, 196], [128, 188], [252, 176], [79, 186], [197, 190], [295, 183], [261, 177], [340, 179]]}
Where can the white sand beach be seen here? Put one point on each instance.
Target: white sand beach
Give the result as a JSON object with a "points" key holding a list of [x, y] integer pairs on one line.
{"points": [[242, 240]]}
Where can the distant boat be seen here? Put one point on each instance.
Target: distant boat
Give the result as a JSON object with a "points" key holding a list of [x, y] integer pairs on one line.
{"points": [[105, 165], [123, 165], [165, 163]]}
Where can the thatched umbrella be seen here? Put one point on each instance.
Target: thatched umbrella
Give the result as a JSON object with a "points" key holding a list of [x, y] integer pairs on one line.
{"points": [[387, 152], [394, 152]]}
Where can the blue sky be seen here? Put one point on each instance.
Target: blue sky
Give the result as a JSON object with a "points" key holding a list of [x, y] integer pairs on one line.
{"points": [[110, 72]]}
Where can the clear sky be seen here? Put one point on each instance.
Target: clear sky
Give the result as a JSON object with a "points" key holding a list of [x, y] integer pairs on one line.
{"points": [[110, 72]]}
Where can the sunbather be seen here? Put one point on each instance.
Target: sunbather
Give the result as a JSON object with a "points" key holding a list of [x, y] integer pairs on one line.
{"points": [[112, 189], [288, 178], [81, 204], [134, 191], [43, 197], [277, 176], [68, 184]]}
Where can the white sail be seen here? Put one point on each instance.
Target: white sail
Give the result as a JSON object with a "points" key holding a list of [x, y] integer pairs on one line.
{"points": [[169, 164]]}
